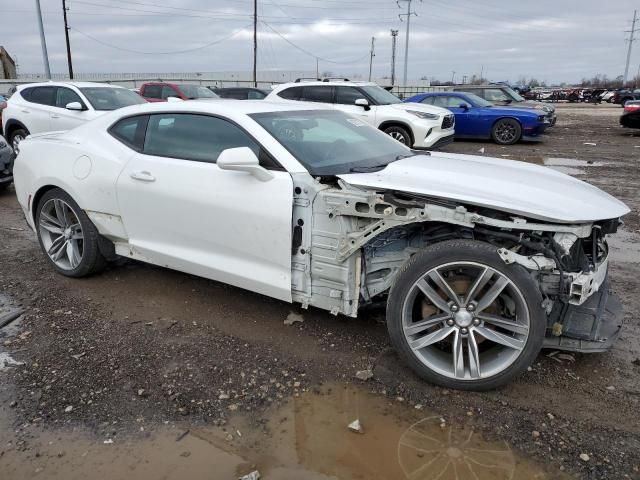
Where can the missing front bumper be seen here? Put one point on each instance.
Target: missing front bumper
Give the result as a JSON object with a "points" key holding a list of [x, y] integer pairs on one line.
{"points": [[591, 327]]}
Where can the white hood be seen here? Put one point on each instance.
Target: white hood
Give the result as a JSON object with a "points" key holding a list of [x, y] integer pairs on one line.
{"points": [[520, 188]]}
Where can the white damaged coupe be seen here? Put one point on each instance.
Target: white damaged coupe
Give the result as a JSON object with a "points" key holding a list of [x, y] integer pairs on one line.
{"points": [[481, 262]]}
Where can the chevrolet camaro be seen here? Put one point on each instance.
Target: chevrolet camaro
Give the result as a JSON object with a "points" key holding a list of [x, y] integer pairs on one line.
{"points": [[480, 262]]}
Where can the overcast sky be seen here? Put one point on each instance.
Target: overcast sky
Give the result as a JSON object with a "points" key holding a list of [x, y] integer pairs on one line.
{"points": [[552, 40]]}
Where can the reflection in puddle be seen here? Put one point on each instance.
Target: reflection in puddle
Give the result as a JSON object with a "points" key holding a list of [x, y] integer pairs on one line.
{"points": [[307, 438]]}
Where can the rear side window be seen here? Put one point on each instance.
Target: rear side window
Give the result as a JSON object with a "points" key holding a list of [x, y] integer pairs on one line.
{"points": [[255, 95], [193, 137], [130, 131], [26, 94], [167, 92], [152, 91], [43, 96], [317, 93], [293, 93]]}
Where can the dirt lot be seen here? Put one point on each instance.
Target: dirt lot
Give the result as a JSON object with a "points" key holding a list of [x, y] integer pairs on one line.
{"points": [[143, 372]]}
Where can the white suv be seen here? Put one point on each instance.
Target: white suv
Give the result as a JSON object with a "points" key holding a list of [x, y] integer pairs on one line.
{"points": [[415, 125], [53, 106]]}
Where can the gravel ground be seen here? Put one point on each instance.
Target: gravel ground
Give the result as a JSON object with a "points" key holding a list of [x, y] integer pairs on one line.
{"points": [[140, 342]]}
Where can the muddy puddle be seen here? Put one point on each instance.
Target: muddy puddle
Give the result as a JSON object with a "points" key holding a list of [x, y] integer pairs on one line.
{"points": [[307, 438]]}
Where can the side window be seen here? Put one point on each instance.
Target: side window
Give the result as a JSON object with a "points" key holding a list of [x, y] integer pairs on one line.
{"points": [[495, 95], [152, 91], [440, 101], [348, 95], [64, 96], [193, 137], [130, 131], [255, 95], [292, 93], [26, 94], [168, 91], [455, 102], [317, 93], [43, 95], [428, 100]]}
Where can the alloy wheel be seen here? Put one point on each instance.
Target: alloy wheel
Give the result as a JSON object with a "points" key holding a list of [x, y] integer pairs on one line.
{"points": [[506, 132], [15, 142], [465, 320], [399, 137], [61, 234]]}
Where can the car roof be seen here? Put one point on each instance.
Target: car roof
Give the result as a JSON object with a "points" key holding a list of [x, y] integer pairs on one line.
{"points": [[342, 83], [67, 84], [228, 107]]}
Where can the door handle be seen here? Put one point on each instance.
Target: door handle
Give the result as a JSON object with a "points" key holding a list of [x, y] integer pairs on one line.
{"points": [[55, 116], [25, 111], [143, 176]]}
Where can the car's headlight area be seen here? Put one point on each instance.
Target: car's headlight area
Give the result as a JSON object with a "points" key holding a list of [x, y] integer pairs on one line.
{"points": [[424, 115], [542, 118]]}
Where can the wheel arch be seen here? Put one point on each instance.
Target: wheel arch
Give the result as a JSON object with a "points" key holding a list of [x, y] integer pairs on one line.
{"points": [[507, 117], [13, 125], [398, 123], [37, 196]]}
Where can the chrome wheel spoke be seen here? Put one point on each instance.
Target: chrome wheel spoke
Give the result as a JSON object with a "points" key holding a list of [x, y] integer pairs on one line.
{"points": [[474, 356], [432, 338], [479, 284], [504, 323], [501, 338], [60, 213], [442, 283], [50, 224], [432, 295], [458, 356], [425, 324], [493, 293], [57, 248], [73, 253], [61, 234]]}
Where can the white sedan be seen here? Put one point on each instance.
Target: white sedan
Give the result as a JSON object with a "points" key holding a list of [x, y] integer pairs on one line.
{"points": [[481, 262]]}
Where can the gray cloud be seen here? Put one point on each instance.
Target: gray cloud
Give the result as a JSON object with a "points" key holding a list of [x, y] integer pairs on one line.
{"points": [[551, 40]]}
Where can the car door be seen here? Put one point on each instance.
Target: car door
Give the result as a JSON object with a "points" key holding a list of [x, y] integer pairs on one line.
{"points": [[181, 211], [63, 119], [345, 101], [36, 111], [466, 114]]}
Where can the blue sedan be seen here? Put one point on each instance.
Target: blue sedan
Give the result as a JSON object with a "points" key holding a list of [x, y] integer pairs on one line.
{"points": [[477, 118]]}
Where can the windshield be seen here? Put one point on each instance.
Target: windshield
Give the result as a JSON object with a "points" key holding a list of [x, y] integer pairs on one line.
{"points": [[331, 143], [513, 94], [380, 95], [478, 101], [107, 98], [196, 91]]}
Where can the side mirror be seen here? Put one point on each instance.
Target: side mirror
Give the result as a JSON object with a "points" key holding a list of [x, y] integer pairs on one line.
{"points": [[363, 102], [242, 159], [174, 99], [76, 106], [464, 106]]}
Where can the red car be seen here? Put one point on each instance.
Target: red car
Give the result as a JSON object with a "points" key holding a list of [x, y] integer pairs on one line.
{"points": [[161, 91]]}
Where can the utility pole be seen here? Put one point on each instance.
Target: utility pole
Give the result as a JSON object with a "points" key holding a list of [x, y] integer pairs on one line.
{"points": [[255, 43], [43, 42], [317, 69], [406, 40], [481, 73], [372, 54], [453, 76], [394, 37], [631, 40], [66, 37]]}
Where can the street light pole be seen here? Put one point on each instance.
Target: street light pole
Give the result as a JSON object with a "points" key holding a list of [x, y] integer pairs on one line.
{"points": [[43, 42], [406, 40], [66, 37], [394, 37]]}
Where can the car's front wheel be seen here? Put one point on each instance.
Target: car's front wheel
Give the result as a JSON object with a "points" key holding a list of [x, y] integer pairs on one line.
{"points": [[506, 131], [399, 133], [464, 319], [66, 235], [16, 137]]}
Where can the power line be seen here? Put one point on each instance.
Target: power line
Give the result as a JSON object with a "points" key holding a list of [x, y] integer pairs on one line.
{"points": [[228, 37], [307, 52]]}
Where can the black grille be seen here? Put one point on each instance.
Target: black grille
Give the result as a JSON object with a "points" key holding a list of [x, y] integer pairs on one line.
{"points": [[448, 121]]}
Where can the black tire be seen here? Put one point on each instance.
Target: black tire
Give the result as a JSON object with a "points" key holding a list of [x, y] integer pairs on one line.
{"points": [[92, 260], [506, 131], [17, 134], [465, 251], [400, 134]]}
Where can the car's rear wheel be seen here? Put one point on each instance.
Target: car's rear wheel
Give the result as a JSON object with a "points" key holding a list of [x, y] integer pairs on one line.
{"points": [[16, 137], [66, 235], [464, 319], [506, 131], [399, 133]]}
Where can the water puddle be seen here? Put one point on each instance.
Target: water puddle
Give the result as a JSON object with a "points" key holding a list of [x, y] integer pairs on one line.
{"points": [[624, 247], [307, 438]]}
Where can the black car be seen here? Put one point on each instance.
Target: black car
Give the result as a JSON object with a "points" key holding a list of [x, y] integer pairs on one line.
{"points": [[621, 97], [240, 93], [631, 116]]}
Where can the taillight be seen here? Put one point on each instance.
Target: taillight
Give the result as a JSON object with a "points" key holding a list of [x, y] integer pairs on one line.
{"points": [[632, 108]]}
